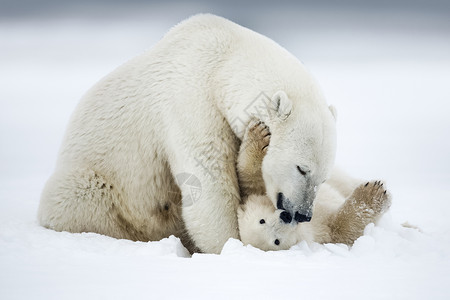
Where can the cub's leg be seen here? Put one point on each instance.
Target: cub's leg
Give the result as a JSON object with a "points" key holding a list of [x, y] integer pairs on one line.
{"points": [[364, 206], [251, 153]]}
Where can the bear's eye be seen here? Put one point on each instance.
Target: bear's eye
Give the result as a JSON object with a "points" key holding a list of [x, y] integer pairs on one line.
{"points": [[301, 171], [277, 242], [262, 221]]}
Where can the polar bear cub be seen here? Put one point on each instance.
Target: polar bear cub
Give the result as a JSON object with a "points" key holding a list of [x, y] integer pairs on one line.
{"points": [[342, 209]]}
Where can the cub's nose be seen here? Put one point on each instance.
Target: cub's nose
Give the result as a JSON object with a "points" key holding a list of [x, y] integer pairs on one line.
{"points": [[301, 217], [286, 217]]}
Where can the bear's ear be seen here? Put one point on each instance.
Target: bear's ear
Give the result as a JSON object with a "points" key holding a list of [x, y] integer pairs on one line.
{"points": [[282, 105], [333, 111]]}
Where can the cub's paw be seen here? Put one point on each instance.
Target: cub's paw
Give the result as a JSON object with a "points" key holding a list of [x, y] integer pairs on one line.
{"points": [[256, 137], [372, 197]]}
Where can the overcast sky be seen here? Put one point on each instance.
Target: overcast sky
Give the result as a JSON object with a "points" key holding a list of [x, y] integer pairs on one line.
{"points": [[103, 8], [272, 18]]}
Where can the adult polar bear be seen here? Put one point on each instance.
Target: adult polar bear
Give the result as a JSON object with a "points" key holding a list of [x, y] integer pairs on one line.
{"points": [[157, 115]]}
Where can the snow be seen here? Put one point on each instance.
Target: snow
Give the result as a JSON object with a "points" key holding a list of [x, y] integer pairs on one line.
{"points": [[391, 91]]}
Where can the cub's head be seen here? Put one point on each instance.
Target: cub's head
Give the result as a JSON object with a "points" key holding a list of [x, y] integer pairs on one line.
{"points": [[261, 225], [301, 153]]}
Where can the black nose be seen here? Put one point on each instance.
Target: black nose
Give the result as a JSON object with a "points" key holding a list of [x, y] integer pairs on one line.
{"points": [[286, 217], [301, 218]]}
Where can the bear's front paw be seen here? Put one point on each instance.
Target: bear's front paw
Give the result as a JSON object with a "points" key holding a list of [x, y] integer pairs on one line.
{"points": [[373, 197], [257, 136]]}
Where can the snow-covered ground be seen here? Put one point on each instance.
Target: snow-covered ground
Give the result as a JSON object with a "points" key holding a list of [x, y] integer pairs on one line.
{"points": [[392, 91]]}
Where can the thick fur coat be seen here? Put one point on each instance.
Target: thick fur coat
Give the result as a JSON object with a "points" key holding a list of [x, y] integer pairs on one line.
{"points": [[343, 206], [182, 108]]}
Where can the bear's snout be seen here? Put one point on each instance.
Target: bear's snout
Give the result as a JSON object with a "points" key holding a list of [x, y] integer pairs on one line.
{"points": [[286, 216]]}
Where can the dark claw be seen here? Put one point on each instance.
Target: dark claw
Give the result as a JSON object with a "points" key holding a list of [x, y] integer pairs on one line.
{"points": [[385, 192], [366, 184]]}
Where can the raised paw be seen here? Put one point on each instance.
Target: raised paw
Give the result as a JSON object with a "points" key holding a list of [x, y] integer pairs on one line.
{"points": [[257, 136], [251, 154], [373, 197]]}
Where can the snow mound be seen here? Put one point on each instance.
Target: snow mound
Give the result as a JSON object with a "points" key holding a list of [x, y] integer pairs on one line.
{"points": [[387, 240], [30, 237]]}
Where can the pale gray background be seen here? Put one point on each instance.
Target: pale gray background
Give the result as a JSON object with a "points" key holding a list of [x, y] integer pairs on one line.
{"points": [[385, 65]]}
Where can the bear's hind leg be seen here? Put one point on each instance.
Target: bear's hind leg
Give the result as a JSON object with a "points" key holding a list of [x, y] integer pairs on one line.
{"points": [[82, 200], [364, 206]]}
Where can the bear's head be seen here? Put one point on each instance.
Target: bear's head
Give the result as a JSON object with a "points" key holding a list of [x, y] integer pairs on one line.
{"points": [[260, 225], [300, 155]]}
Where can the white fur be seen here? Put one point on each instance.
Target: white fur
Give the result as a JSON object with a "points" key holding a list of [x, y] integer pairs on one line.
{"points": [[263, 235], [181, 107], [330, 197]]}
